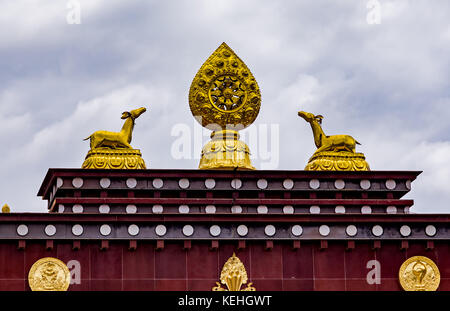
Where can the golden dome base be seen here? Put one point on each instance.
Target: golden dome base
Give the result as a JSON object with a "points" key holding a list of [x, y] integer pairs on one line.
{"points": [[337, 161], [225, 152], [105, 158]]}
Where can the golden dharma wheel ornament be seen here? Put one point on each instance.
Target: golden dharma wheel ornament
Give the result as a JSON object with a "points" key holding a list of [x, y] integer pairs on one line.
{"points": [[49, 274], [233, 275], [225, 97], [419, 273]]}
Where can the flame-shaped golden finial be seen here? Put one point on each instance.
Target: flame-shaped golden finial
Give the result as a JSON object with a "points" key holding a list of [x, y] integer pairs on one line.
{"points": [[233, 275], [224, 97]]}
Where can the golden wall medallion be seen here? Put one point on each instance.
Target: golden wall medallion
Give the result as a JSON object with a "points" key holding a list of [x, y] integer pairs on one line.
{"points": [[419, 273], [49, 274]]}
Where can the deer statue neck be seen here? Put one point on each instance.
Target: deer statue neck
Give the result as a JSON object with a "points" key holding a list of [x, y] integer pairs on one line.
{"points": [[317, 132], [127, 128]]}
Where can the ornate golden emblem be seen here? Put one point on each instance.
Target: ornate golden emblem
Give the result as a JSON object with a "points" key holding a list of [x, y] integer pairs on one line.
{"points": [[224, 97], [112, 150], [419, 273], [49, 274], [334, 153], [233, 275]]}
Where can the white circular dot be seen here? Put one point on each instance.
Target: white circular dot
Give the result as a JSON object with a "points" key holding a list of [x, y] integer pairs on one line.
{"points": [[365, 184], [60, 208], [236, 209], [262, 209], [339, 209], [288, 209], [408, 184], [377, 230], [324, 230], [105, 230], [77, 182], [390, 184], [104, 209], [314, 209], [297, 230], [288, 184], [242, 230], [158, 183], [366, 209], [188, 230], [236, 183], [391, 210], [131, 182], [183, 183], [183, 209], [270, 230], [131, 209], [77, 208], [157, 209], [161, 230], [261, 183], [314, 184], [22, 230], [50, 230], [214, 230], [133, 230], [210, 209], [405, 230], [105, 183], [77, 230], [351, 230], [430, 230], [210, 183], [59, 182], [339, 184]]}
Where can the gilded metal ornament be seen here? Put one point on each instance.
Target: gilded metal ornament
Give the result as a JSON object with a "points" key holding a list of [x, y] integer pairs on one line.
{"points": [[6, 209], [112, 150], [233, 275], [225, 97], [224, 93], [419, 273], [49, 274], [334, 153]]}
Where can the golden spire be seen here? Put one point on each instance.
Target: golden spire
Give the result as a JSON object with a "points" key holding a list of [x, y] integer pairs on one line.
{"points": [[233, 275], [334, 153], [112, 150], [224, 97], [6, 209]]}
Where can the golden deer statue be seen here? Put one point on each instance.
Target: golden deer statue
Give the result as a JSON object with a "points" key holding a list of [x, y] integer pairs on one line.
{"points": [[324, 142], [115, 140]]}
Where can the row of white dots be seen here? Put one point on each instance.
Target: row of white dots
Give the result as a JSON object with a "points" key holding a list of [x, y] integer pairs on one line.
{"points": [[211, 209], [210, 183], [215, 230]]}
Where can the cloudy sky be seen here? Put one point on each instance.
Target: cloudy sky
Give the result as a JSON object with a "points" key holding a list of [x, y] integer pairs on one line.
{"points": [[384, 81]]}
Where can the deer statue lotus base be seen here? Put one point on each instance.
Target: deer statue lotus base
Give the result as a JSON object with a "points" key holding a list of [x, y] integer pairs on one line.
{"points": [[337, 161], [105, 158]]}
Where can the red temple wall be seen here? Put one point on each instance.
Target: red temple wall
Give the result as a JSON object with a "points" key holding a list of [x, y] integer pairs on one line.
{"points": [[198, 268]]}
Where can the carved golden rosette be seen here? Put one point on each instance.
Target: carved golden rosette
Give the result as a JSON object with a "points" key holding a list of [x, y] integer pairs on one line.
{"points": [[104, 158], [225, 151], [49, 274], [233, 275], [337, 161], [419, 273], [224, 92]]}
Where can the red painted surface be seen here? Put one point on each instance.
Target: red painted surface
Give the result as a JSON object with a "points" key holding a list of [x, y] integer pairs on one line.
{"points": [[174, 268]]}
